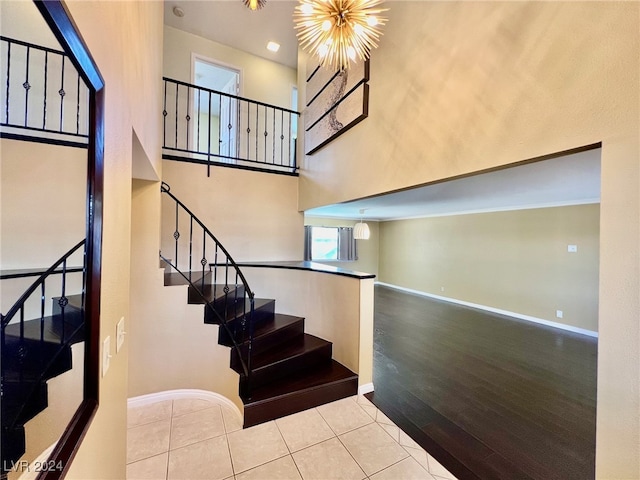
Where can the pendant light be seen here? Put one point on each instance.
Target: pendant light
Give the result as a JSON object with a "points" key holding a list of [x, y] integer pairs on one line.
{"points": [[361, 229]]}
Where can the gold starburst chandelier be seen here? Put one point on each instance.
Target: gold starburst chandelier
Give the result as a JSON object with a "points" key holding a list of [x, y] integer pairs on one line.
{"points": [[339, 31], [254, 4]]}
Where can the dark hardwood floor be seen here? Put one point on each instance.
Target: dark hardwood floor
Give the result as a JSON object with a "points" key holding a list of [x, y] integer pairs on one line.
{"points": [[488, 396]]}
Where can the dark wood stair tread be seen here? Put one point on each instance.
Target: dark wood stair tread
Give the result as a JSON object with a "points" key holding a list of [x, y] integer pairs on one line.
{"points": [[288, 351], [306, 380]]}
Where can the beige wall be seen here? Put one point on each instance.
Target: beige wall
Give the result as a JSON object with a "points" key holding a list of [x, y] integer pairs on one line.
{"points": [[367, 249], [124, 39], [457, 87], [42, 203], [162, 321], [262, 79], [42, 215], [515, 260], [252, 214]]}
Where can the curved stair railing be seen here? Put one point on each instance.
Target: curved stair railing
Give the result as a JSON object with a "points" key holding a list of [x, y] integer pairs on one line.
{"points": [[219, 283], [29, 359]]}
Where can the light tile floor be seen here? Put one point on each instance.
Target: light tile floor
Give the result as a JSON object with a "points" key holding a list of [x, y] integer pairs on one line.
{"points": [[191, 439]]}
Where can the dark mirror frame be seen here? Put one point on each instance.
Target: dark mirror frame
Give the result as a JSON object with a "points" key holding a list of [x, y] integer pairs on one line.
{"points": [[66, 32]]}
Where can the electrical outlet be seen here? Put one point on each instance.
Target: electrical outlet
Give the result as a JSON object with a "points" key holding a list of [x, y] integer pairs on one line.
{"points": [[572, 248], [442, 289], [106, 355], [120, 333], [559, 313]]}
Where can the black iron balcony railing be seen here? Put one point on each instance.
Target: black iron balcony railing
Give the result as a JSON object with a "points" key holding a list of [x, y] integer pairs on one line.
{"points": [[42, 94], [212, 127]]}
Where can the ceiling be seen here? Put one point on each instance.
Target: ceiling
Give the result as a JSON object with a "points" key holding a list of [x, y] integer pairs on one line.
{"points": [[567, 180], [230, 23]]}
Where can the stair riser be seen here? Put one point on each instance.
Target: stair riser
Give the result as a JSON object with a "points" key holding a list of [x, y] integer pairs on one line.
{"points": [[261, 314], [297, 402], [13, 447], [235, 294], [288, 366], [270, 340], [38, 355], [33, 396], [72, 313]]}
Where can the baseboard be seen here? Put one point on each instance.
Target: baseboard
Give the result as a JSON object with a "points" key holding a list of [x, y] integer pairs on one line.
{"points": [[499, 311], [40, 460], [150, 398], [366, 388]]}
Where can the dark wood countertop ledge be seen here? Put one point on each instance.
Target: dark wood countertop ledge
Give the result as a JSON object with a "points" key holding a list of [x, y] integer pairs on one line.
{"points": [[309, 266]]}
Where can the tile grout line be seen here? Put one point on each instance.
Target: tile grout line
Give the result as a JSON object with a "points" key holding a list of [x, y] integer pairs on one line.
{"points": [[289, 449], [169, 447]]}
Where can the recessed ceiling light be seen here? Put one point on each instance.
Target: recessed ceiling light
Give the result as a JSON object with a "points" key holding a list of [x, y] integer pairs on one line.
{"points": [[273, 46]]}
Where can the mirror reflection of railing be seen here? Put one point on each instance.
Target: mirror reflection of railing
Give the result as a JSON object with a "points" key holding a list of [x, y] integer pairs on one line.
{"points": [[36, 339], [208, 126], [41, 93]]}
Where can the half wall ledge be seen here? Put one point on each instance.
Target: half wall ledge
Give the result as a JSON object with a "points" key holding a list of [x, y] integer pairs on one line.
{"points": [[337, 304]]}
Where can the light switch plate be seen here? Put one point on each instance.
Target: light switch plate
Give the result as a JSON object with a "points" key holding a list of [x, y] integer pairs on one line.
{"points": [[572, 248], [106, 355], [120, 333]]}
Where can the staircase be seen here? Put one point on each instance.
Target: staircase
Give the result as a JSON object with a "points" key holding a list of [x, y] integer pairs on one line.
{"points": [[33, 352], [282, 369]]}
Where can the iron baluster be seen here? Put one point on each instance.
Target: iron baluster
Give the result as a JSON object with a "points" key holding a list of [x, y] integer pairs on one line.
{"points": [[209, 139], [248, 127], [198, 120], [281, 137], [61, 93], [27, 87], [176, 235], [203, 262], [164, 116], [78, 105], [265, 135], [219, 125], [215, 265], [6, 106], [190, 244], [63, 301], [42, 310], [176, 142], [44, 102], [188, 117], [257, 116]]}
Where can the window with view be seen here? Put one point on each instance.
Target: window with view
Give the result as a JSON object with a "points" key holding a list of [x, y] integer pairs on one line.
{"points": [[324, 243]]}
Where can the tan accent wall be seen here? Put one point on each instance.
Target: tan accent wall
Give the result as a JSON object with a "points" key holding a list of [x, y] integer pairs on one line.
{"points": [[367, 249], [253, 214], [458, 87], [514, 260]]}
